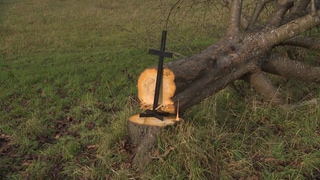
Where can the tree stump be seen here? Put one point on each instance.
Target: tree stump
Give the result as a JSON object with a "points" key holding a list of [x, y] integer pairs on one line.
{"points": [[145, 138], [143, 132]]}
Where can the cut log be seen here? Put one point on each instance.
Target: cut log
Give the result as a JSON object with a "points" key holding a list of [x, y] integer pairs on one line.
{"points": [[146, 90], [192, 79]]}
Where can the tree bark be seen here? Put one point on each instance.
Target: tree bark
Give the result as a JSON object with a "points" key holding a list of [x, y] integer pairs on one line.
{"points": [[145, 138]]}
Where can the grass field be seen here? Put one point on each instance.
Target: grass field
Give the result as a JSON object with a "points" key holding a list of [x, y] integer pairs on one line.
{"points": [[68, 72]]}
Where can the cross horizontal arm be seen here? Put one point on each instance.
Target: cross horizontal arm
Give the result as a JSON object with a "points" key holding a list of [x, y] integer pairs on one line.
{"points": [[160, 53]]}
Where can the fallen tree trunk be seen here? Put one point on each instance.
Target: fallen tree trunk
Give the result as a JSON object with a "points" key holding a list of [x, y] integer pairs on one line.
{"points": [[239, 55]]}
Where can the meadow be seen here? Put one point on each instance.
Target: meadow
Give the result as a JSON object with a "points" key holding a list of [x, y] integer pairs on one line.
{"points": [[68, 73]]}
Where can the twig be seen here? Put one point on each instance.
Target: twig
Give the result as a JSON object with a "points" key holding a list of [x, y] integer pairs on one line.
{"points": [[315, 102]]}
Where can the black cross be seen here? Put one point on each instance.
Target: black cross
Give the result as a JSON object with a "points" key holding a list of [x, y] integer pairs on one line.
{"points": [[162, 54]]}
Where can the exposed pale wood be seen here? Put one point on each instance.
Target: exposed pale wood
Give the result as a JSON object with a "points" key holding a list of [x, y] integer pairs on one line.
{"points": [[146, 89], [152, 121]]}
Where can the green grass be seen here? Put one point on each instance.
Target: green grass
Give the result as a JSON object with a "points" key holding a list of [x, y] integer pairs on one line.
{"points": [[68, 72]]}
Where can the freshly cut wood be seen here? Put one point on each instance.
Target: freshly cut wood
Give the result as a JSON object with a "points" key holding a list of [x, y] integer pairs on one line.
{"points": [[146, 90], [152, 121]]}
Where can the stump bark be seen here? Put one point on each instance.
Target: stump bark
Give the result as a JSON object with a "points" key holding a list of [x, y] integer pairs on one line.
{"points": [[145, 138], [144, 132]]}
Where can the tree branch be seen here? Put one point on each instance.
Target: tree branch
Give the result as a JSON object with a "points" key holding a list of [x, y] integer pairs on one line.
{"points": [[291, 29], [310, 43], [276, 18], [283, 66], [299, 7], [244, 22], [235, 14], [313, 8], [264, 86], [257, 12], [298, 10]]}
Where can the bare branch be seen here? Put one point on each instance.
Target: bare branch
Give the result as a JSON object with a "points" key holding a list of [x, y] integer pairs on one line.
{"points": [[257, 12], [298, 10], [169, 14], [299, 7], [305, 42], [291, 29], [277, 16], [264, 86], [244, 22], [235, 13], [283, 66], [313, 8], [314, 102]]}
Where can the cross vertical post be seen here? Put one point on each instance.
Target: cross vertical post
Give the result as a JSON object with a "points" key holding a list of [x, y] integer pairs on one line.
{"points": [[161, 53]]}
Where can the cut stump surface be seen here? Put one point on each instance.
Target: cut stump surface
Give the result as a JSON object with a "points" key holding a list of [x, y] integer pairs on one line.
{"points": [[146, 90]]}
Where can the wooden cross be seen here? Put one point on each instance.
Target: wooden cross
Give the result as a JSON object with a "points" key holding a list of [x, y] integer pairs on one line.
{"points": [[162, 54]]}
